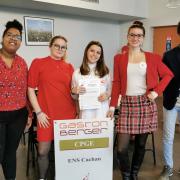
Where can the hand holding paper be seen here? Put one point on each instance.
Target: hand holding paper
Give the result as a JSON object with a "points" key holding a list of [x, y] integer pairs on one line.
{"points": [[89, 99]]}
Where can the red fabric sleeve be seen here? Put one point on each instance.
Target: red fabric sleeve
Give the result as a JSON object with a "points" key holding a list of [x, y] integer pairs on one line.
{"points": [[115, 83], [33, 75], [71, 68], [165, 75]]}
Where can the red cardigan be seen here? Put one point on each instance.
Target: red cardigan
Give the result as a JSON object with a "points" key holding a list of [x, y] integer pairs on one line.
{"points": [[155, 70]]}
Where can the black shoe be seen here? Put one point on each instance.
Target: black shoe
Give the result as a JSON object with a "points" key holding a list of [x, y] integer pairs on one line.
{"points": [[124, 164], [126, 176], [134, 177]]}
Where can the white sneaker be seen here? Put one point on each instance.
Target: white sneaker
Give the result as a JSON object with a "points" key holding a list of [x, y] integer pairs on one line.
{"points": [[166, 173]]}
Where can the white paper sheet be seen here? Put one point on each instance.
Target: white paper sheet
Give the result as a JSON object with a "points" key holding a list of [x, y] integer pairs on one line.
{"points": [[89, 100]]}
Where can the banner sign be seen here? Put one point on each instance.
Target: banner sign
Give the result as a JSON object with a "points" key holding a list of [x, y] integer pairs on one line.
{"points": [[83, 149]]}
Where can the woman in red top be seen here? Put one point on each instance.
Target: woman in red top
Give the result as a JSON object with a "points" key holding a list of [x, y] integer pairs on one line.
{"points": [[52, 77], [136, 79], [13, 99]]}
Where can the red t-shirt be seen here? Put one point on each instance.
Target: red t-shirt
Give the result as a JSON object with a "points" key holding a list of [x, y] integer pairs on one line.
{"points": [[53, 80], [13, 84]]}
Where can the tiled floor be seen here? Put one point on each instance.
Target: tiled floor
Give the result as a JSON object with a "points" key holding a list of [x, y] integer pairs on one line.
{"points": [[148, 170]]}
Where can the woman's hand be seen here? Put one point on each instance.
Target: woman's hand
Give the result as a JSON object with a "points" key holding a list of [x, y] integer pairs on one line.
{"points": [[103, 97], [152, 95], [43, 120], [110, 114], [78, 90]]}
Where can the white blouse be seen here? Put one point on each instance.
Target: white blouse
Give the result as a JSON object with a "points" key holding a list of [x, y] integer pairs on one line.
{"points": [[136, 79], [105, 86]]}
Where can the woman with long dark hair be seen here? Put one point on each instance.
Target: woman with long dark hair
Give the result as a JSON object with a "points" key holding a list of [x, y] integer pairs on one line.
{"points": [[93, 67]]}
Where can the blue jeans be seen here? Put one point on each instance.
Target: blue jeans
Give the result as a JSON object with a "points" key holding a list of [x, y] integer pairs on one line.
{"points": [[168, 133]]}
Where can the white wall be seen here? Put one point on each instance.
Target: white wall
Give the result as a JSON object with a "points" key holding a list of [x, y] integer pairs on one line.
{"points": [[159, 15], [126, 7], [147, 45], [79, 31]]}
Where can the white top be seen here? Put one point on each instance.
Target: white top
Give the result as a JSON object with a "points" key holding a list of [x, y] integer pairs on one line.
{"points": [[136, 79], [105, 86]]}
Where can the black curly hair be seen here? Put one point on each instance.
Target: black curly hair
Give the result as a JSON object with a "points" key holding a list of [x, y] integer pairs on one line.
{"points": [[13, 24]]}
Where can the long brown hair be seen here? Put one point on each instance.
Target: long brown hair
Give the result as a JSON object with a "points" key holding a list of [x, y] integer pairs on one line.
{"points": [[101, 69]]}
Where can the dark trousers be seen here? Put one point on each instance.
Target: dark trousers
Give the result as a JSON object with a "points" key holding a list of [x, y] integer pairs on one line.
{"points": [[130, 170], [12, 124]]}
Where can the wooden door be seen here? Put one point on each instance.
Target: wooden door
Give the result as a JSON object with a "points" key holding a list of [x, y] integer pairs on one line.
{"points": [[160, 35]]}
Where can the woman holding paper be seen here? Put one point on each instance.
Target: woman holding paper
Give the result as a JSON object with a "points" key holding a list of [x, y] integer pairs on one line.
{"points": [[136, 79], [52, 76], [91, 83]]}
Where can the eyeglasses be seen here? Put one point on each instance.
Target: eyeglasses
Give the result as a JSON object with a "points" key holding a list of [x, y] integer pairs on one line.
{"points": [[136, 35], [14, 36], [58, 47]]}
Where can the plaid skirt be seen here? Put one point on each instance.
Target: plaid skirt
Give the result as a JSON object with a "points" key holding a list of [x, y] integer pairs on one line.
{"points": [[137, 115]]}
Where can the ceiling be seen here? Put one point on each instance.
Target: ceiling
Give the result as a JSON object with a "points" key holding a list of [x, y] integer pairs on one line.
{"points": [[54, 8]]}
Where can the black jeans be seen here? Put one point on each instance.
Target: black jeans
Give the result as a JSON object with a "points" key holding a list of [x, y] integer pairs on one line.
{"points": [[12, 124]]}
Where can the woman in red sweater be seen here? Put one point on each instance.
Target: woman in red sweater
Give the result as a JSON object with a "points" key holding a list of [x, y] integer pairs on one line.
{"points": [[136, 80], [52, 76]]}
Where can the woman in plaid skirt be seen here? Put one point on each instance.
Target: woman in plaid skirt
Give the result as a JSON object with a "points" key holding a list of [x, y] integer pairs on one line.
{"points": [[136, 80]]}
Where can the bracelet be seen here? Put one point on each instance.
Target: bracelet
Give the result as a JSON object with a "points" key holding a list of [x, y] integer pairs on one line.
{"points": [[72, 92], [38, 113]]}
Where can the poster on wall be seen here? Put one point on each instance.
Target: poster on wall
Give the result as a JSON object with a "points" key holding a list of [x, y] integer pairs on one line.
{"points": [[38, 31], [83, 149]]}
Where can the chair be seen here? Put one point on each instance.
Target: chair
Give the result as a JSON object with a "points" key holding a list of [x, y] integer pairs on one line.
{"points": [[153, 149], [51, 169], [23, 138], [116, 114], [32, 144]]}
